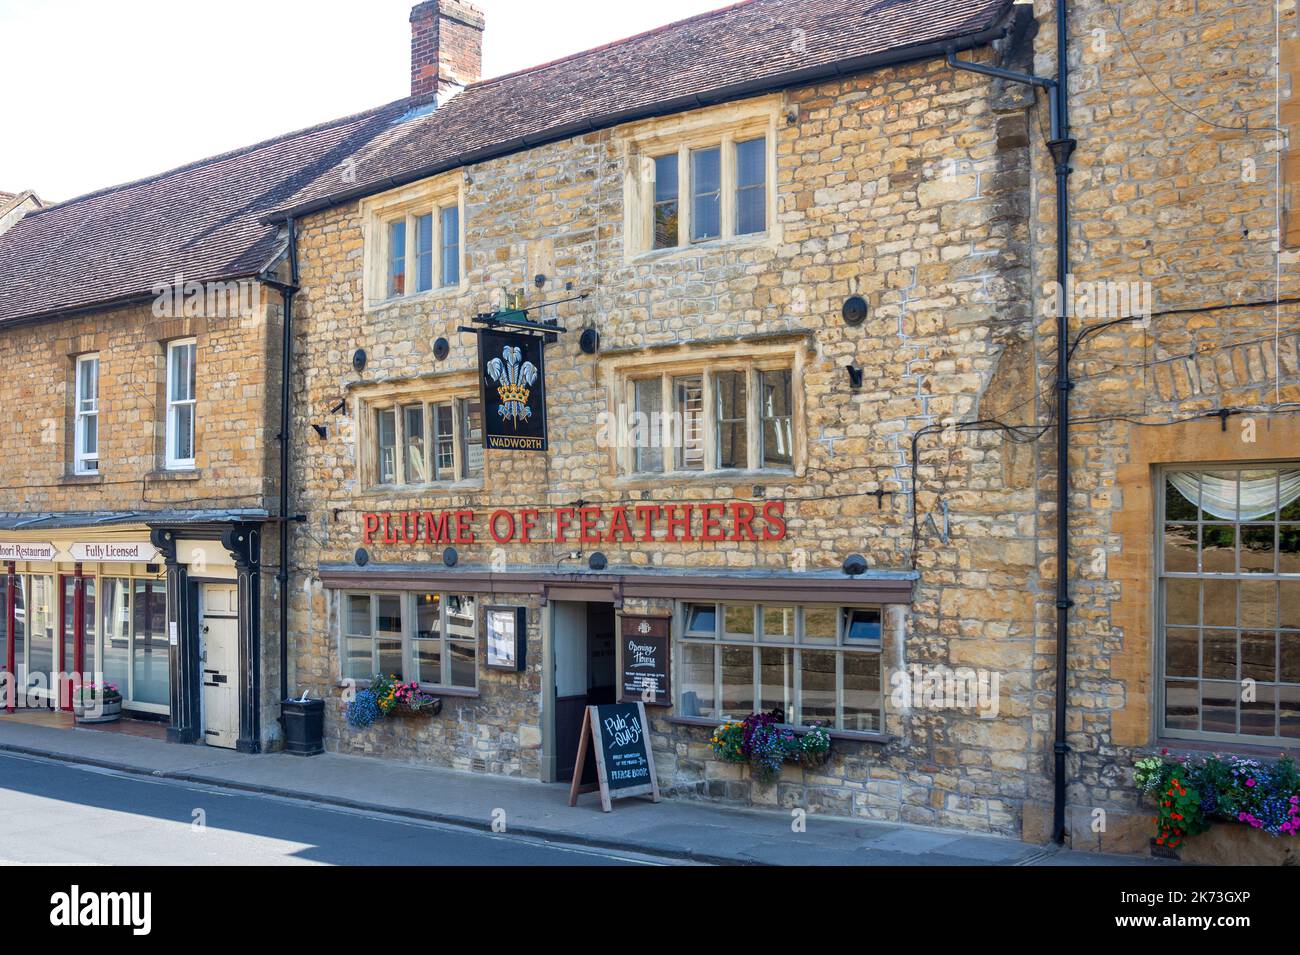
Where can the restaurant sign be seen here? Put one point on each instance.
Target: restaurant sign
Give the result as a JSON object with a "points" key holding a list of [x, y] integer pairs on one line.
{"points": [[595, 524], [512, 378], [13, 550]]}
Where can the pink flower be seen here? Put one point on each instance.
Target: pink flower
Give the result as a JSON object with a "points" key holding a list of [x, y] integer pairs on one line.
{"points": [[1250, 782]]}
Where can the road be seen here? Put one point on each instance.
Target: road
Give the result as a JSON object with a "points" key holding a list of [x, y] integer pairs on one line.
{"points": [[53, 812]]}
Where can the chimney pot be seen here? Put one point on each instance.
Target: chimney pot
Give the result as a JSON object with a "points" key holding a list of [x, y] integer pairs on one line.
{"points": [[446, 47]]}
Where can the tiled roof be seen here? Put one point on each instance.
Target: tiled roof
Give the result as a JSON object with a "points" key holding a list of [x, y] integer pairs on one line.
{"points": [[202, 220], [208, 220], [739, 50]]}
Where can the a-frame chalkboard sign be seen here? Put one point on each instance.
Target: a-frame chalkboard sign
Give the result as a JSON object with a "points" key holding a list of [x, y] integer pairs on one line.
{"points": [[618, 736]]}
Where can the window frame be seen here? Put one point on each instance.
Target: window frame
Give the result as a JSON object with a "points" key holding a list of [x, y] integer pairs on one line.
{"points": [[408, 206], [80, 458], [1160, 626], [410, 613], [683, 135], [171, 461], [758, 642], [669, 375], [462, 473]]}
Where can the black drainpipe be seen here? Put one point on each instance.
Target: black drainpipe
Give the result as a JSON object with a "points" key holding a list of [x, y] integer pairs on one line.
{"points": [[287, 292], [1061, 147]]}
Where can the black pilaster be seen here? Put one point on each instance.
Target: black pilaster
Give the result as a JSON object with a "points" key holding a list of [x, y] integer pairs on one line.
{"points": [[183, 652], [244, 542]]}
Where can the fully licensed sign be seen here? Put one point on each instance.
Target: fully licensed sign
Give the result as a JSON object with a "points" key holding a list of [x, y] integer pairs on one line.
{"points": [[138, 552]]}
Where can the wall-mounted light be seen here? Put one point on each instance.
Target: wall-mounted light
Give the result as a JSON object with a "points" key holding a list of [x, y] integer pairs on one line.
{"points": [[441, 349], [539, 279], [450, 557], [361, 557], [359, 360], [597, 561], [855, 565], [589, 341], [854, 310], [855, 376]]}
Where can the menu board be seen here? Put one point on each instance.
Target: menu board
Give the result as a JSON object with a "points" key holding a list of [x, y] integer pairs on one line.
{"points": [[645, 648], [618, 736]]}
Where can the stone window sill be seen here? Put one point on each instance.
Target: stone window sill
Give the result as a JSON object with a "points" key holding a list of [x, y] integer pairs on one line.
{"points": [[761, 477], [96, 478], [1264, 752], [472, 485], [835, 734]]}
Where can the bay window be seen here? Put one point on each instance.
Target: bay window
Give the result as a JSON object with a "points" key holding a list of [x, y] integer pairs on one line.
{"points": [[428, 638], [1229, 603], [816, 664]]}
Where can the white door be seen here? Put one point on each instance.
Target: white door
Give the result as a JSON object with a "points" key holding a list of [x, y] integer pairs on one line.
{"points": [[220, 654]]}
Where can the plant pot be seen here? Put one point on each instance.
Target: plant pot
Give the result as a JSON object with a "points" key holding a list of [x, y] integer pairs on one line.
{"points": [[304, 726], [109, 711]]}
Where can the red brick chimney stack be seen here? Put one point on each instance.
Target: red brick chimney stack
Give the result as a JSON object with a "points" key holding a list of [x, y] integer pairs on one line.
{"points": [[446, 46]]}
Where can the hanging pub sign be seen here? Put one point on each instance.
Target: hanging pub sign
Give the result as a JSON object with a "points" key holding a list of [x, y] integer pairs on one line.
{"points": [[644, 651], [512, 379]]}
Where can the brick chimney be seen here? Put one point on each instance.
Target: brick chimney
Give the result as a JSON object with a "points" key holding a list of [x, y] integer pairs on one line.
{"points": [[446, 47]]}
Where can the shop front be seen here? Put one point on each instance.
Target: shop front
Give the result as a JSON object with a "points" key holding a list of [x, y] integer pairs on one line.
{"points": [[161, 613], [517, 654]]}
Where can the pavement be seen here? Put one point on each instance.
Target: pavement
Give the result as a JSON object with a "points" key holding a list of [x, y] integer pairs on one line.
{"points": [[674, 829]]}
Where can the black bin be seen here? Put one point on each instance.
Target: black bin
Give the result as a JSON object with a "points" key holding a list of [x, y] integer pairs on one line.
{"points": [[304, 726]]}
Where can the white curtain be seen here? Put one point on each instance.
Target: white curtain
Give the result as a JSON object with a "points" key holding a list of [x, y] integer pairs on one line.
{"points": [[1218, 492]]}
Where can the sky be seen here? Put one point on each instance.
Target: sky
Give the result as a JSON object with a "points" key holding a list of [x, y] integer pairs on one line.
{"points": [[99, 92]]}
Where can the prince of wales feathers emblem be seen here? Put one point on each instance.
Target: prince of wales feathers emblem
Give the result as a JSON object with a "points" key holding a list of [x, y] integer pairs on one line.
{"points": [[514, 382]]}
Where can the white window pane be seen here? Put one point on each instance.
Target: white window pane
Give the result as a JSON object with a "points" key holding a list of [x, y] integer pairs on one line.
{"points": [[413, 430], [424, 252], [471, 430], [450, 217], [737, 681], [733, 434], [817, 687], [696, 693], [357, 621], [706, 192], [182, 432], [445, 442], [648, 406], [397, 258], [776, 681], [862, 699], [386, 422], [461, 661], [751, 189], [462, 617], [688, 394]]}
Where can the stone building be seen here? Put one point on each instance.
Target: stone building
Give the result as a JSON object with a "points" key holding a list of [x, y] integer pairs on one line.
{"points": [[801, 401], [709, 226], [140, 330]]}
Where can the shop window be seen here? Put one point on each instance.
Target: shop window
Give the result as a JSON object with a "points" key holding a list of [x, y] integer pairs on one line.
{"points": [[414, 241], [430, 638], [85, 432], [739, 419], [180, 404], [1229, 607], [815, 664], [427, 442]]}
